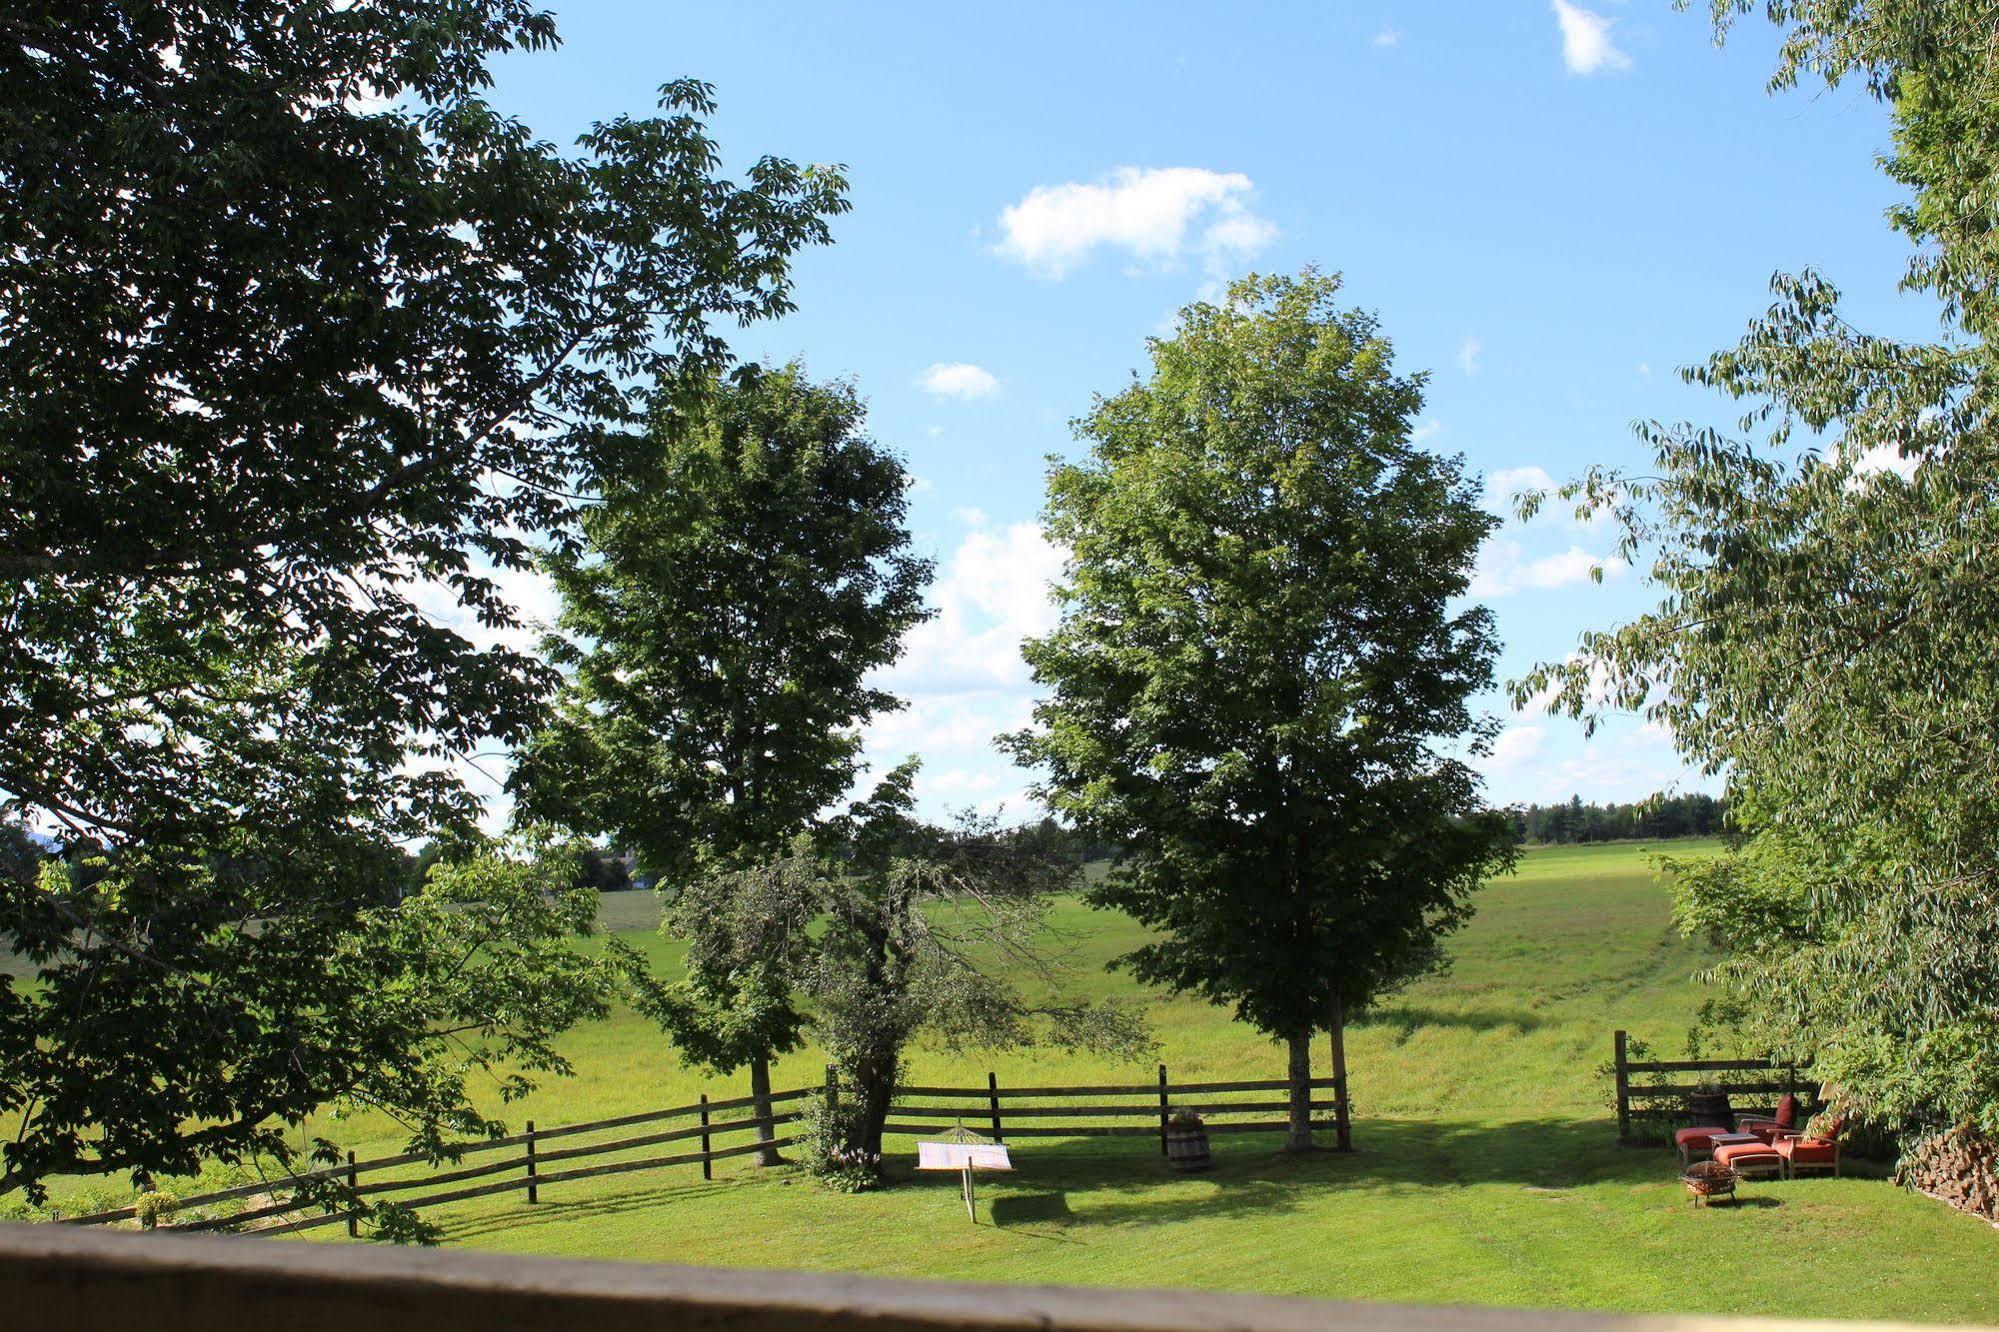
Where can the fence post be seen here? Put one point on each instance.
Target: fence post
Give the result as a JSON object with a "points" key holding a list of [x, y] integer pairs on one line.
{"points": [[707, 1162], [1162, 1110], [1623, 1092], [992, 1098], [534, 1190], [1342, 1119], [353, 1184], [832, 1094]]}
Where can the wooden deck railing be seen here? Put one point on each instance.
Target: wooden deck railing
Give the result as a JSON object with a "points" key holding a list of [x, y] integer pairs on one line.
{"points": [[85, 1281]]}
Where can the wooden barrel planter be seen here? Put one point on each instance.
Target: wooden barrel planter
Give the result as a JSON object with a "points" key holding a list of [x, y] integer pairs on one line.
{"points": [[1187, 1143], [1710, 1107]]}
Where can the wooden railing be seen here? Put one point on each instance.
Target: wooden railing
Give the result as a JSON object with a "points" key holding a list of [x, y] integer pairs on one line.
{"points": [[524, 1159], [83, 1281], [1641, 1094]]}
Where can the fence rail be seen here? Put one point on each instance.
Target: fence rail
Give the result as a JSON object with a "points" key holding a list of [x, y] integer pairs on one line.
{"points": [[1781, 1078], [914, 1110]]}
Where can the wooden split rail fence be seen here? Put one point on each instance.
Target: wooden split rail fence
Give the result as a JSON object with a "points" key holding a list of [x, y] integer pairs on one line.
{"points": [[1141, 1109], [527, 1165], [1641, 1093], [1145, 1108]]}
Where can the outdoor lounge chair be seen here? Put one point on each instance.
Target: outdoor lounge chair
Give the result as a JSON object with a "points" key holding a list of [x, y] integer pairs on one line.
{"points": [[1815, 1147], [1772, 1127]]}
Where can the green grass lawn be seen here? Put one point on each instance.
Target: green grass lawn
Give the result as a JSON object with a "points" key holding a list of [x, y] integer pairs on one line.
{"points": [[1486, 1172]]}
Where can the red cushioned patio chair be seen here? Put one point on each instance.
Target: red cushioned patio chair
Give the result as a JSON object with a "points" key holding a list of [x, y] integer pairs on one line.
{"points": [[1816, 1147], [1770, 1128]]}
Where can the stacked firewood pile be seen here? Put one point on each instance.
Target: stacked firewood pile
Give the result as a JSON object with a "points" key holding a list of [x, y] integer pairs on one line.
{"points": [[1960, 1166]]}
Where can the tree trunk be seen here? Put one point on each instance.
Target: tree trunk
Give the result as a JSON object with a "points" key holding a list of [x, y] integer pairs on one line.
{"points": [[1299, 1118], [874, 1090], [761, 1105], [1342, 1113]]}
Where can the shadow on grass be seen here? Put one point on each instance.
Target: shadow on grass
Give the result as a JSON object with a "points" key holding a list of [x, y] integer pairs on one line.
{"points": [[1121, 1182], [1405, 1020]]}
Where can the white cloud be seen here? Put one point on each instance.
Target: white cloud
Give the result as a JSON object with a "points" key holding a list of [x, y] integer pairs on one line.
{"points": [[1885, 460], [971, 515], [1468, 355], [993, 593], [1426, 430], [1515, 746], [1645, 370], [1506, 484], [958, 379], [941, 723], [529, 591], [966, 781], [1156, 214], [1388, 37], [963, 675], [1596, 694], [1586, 43], [1504, 568]]}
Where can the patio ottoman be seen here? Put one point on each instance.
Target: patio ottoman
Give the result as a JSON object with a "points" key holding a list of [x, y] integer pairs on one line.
{"points": [[1754, 1159], [1808, 1154], [1695, 1143]]}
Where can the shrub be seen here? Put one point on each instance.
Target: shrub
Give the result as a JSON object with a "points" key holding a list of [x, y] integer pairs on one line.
{"points": [[824, 1149], [155, 1207]]}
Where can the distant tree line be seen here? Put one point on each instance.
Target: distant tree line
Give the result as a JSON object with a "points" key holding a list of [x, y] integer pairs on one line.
{"points": [[1694, 815]]}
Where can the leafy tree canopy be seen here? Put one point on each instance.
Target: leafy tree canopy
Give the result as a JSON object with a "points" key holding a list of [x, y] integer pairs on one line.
{"points": [[302, 342], [737, 585], [1261, 665], [1824, 629]]}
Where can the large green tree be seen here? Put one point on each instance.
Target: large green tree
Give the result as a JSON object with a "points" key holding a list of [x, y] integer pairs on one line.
{"points": [[1823, 636], [301, 341], [1263, 668], [737, 587]]}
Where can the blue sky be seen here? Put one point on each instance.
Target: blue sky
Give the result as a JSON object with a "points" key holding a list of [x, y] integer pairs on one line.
{"points": [[1551, 206]]}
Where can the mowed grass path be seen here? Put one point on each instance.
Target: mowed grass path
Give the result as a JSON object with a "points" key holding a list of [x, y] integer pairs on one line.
{"points": [[1486, 1171]]}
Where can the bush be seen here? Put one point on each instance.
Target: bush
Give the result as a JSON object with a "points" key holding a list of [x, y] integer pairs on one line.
{"points": [[824, 1151], [155, 1207]]}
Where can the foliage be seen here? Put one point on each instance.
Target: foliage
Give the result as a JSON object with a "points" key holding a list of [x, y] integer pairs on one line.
{"points": [[394, 1010], [740, 581], [1259, 672], [1659, 816], [155, 1207], [1826, 613], [304, 345], [922, 933], [828, 1153]]}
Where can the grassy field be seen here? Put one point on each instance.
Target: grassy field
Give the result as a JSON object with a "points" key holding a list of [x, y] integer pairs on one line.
{"points": [[1486, 1171]]}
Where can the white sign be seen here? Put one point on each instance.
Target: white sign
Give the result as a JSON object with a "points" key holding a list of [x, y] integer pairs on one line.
{"points": [[962, 1156]]}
